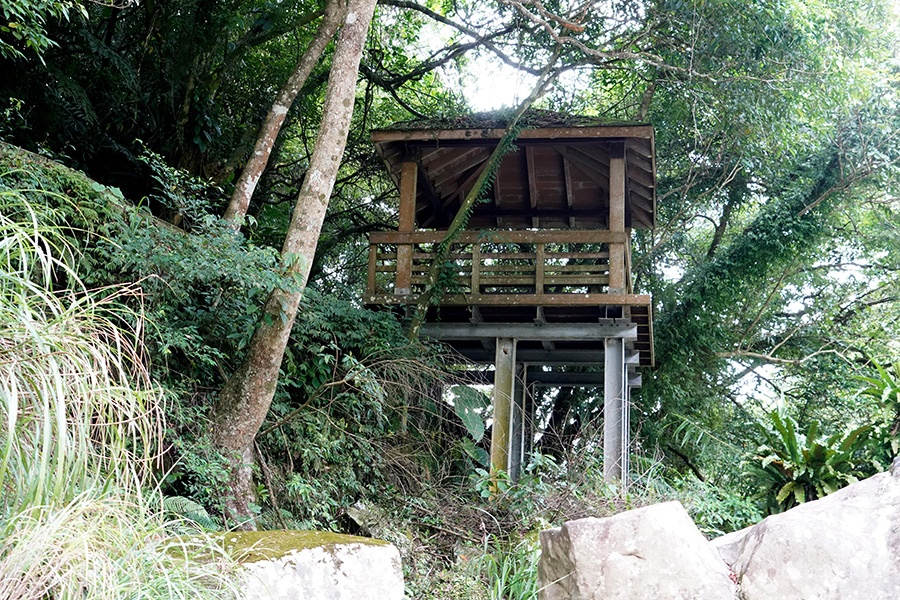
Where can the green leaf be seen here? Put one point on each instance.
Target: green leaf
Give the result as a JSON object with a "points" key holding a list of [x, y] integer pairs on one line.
{"points": [[785, 491], [469, 405]]}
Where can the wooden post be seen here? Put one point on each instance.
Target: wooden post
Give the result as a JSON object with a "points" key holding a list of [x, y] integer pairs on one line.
{"points": [[539, 258], [371, 284], [617, 216], [504, 389], [409, 173], [476, 269], [615, 426]]}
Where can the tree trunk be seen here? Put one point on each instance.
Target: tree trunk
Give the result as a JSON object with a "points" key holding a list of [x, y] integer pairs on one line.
{"points": [[256, 164], [245, 399]]}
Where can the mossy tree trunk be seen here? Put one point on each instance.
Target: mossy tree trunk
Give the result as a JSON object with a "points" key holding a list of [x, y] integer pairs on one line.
{"points": [[245, 399]]}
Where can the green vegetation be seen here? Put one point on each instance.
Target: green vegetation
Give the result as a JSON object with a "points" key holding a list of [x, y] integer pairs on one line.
{"points": [[82, 419], [128, 304]]}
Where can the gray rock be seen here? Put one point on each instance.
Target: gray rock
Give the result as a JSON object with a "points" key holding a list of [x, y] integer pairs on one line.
{"points": [[845, 546], [730, 545], [308, 565], [650, 553]]}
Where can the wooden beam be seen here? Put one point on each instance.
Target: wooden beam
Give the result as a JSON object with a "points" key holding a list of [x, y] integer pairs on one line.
{"points": [[447, 159], [432, 197], [592, 169], [493, 236], [447, 176], [614, 131], [522, 299]]}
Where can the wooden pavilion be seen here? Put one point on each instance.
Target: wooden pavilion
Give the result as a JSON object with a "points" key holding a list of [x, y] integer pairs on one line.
{"points": [[543, 271]]}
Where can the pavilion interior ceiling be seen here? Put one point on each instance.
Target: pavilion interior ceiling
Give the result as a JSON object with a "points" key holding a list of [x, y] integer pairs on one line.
{"points": [[550, 181]]}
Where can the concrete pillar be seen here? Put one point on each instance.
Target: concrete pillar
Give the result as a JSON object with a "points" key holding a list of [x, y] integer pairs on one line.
{"points": [[504, 390], [528, 429], [615, 417], [517, 425]]}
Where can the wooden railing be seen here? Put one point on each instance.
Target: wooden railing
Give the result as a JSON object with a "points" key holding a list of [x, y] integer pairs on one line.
{"points": [[488, 263]]}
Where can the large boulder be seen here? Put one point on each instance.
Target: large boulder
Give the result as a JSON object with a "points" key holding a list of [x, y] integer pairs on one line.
{"points": [[307, 565], [845, 546], [652, 552]]}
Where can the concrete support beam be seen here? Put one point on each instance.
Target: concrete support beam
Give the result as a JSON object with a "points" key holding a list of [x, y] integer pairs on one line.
{"points": [[504, 390], [550, 358], [553, 332], [615, 423]]}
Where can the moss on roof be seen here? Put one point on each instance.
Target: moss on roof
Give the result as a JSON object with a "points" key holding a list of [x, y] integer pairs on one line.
{"points": [[532, 118]]}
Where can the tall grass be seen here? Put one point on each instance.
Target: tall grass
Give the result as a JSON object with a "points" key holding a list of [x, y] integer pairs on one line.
{"points": [[81, 422]]}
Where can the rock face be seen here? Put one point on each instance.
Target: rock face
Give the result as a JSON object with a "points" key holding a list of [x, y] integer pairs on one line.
{"points": [[845, 546], [308, 565], [653, 552]]}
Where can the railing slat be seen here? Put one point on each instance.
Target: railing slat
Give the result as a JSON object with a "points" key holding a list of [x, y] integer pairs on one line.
{"points": [[539, 270], [404, 261], [476, 269]]}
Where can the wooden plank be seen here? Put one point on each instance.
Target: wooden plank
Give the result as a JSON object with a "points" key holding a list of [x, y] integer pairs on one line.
{"points": [[448, 159], [522, 299], [463, 188], [484, 269], [446, 176], [597, 173], [576, 268], [641, 162], [585, 255], [491, 236], [486, 281], [438, 209], [483, 135]]}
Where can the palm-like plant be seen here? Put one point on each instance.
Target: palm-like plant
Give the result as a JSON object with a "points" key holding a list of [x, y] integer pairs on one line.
{"points": [[791, 468], [885, 389]]}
